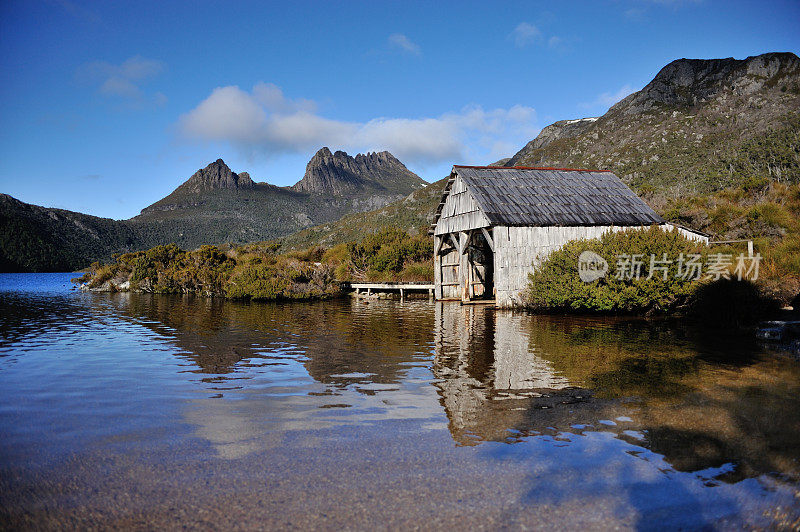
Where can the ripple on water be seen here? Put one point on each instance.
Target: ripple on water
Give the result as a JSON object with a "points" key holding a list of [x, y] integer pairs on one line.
{"points": [[505, 410]]}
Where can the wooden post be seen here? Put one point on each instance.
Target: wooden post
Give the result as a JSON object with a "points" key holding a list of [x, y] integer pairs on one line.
{"points": [[469, 267], [488, 238], [463, 268], [437, 266]]}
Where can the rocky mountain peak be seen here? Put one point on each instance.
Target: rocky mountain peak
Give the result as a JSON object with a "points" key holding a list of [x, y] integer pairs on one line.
{"points": [[761, 88], [217, 175], [689, 82], [340, 174]]}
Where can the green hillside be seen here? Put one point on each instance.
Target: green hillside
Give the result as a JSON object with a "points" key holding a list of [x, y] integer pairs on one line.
{"points": [[34, 238], [413, 214]]}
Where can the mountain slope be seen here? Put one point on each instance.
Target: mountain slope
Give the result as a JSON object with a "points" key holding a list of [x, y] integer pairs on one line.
{"points": [[714, 145], [215, 205], [413, 213], [711, 144], [697, 127], [36, 238], [218, 205]]}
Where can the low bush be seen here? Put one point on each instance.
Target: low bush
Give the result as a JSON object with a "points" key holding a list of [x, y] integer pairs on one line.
{"points": [[556, 286], [385, 256]]}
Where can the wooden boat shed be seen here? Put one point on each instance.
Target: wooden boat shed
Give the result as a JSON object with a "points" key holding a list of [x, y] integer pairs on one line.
{"points": [[495, 224]]}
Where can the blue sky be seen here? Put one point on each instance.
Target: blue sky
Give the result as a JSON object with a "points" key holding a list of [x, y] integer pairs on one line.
{"points": [[106, 107]]}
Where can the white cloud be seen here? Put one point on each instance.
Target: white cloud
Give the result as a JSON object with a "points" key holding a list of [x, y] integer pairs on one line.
{"points": [[640, 9], [607, 99], [422, 140], [265, 121], [635, 14], [271, 97], [228, 113], [117, 86], [554, 42], [525, 34], [123, 80], [403, 43]]}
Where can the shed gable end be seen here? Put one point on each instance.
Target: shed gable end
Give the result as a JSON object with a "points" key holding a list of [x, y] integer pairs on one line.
{"points": [[460, 211]]}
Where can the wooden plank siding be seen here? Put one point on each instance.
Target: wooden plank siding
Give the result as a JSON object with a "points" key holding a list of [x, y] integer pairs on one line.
{"points": [[495, 225], [460, 211], [519, 250]]}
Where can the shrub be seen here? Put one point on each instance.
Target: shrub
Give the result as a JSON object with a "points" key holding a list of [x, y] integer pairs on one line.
{"points": [[101, 274], [254, 271], [382, 256], [556, 286], [419, 272], [771, 214], [258, 282]]}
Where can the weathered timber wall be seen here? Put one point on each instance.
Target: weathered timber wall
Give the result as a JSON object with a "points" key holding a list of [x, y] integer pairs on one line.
{"points": [[518, 250], [446, 268], [460, 211]]}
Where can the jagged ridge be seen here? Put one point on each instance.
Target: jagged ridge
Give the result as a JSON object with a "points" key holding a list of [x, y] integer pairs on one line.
{"points": [[339, 174], [217, 175]]}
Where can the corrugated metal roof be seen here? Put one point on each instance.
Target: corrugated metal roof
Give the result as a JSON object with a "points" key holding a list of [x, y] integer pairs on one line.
{"points": [[552, 196]]}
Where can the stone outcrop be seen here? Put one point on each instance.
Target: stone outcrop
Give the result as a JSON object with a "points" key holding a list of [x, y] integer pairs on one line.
{"points": [[217, 175], [691, 107], [689, 82], [339, 174], [763, 86]]}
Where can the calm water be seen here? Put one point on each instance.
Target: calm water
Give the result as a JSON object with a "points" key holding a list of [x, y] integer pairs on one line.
{"points": [[125, 410]]}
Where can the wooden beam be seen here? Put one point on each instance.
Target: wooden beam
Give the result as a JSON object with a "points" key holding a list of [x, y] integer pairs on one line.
{"points": [[455, 242], [437, 245], [464, 241], [488, 238]]}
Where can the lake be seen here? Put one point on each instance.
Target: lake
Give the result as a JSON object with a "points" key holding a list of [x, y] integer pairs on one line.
{"points": [[152, 411]]}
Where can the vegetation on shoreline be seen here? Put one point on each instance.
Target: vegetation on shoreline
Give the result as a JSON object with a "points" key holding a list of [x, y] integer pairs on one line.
{"points": [[260, 272], [556, 285], [681, 277]]}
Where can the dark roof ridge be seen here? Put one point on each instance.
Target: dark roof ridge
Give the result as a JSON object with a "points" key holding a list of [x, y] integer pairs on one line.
{"points": [[528, 168]]}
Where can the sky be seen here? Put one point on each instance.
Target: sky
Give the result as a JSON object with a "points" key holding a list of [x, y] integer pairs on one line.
{"points": [[106, 107]]}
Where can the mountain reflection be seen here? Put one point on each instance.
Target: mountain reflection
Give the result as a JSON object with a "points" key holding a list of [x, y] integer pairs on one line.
{"points": [[702, 399], [335, 339]]}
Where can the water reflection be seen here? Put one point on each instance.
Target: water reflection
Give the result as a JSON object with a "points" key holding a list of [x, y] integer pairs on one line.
{"points": [[701, 400], [257, 372], [506, 376], [343, 408], [272, 370], [493, 386]]}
